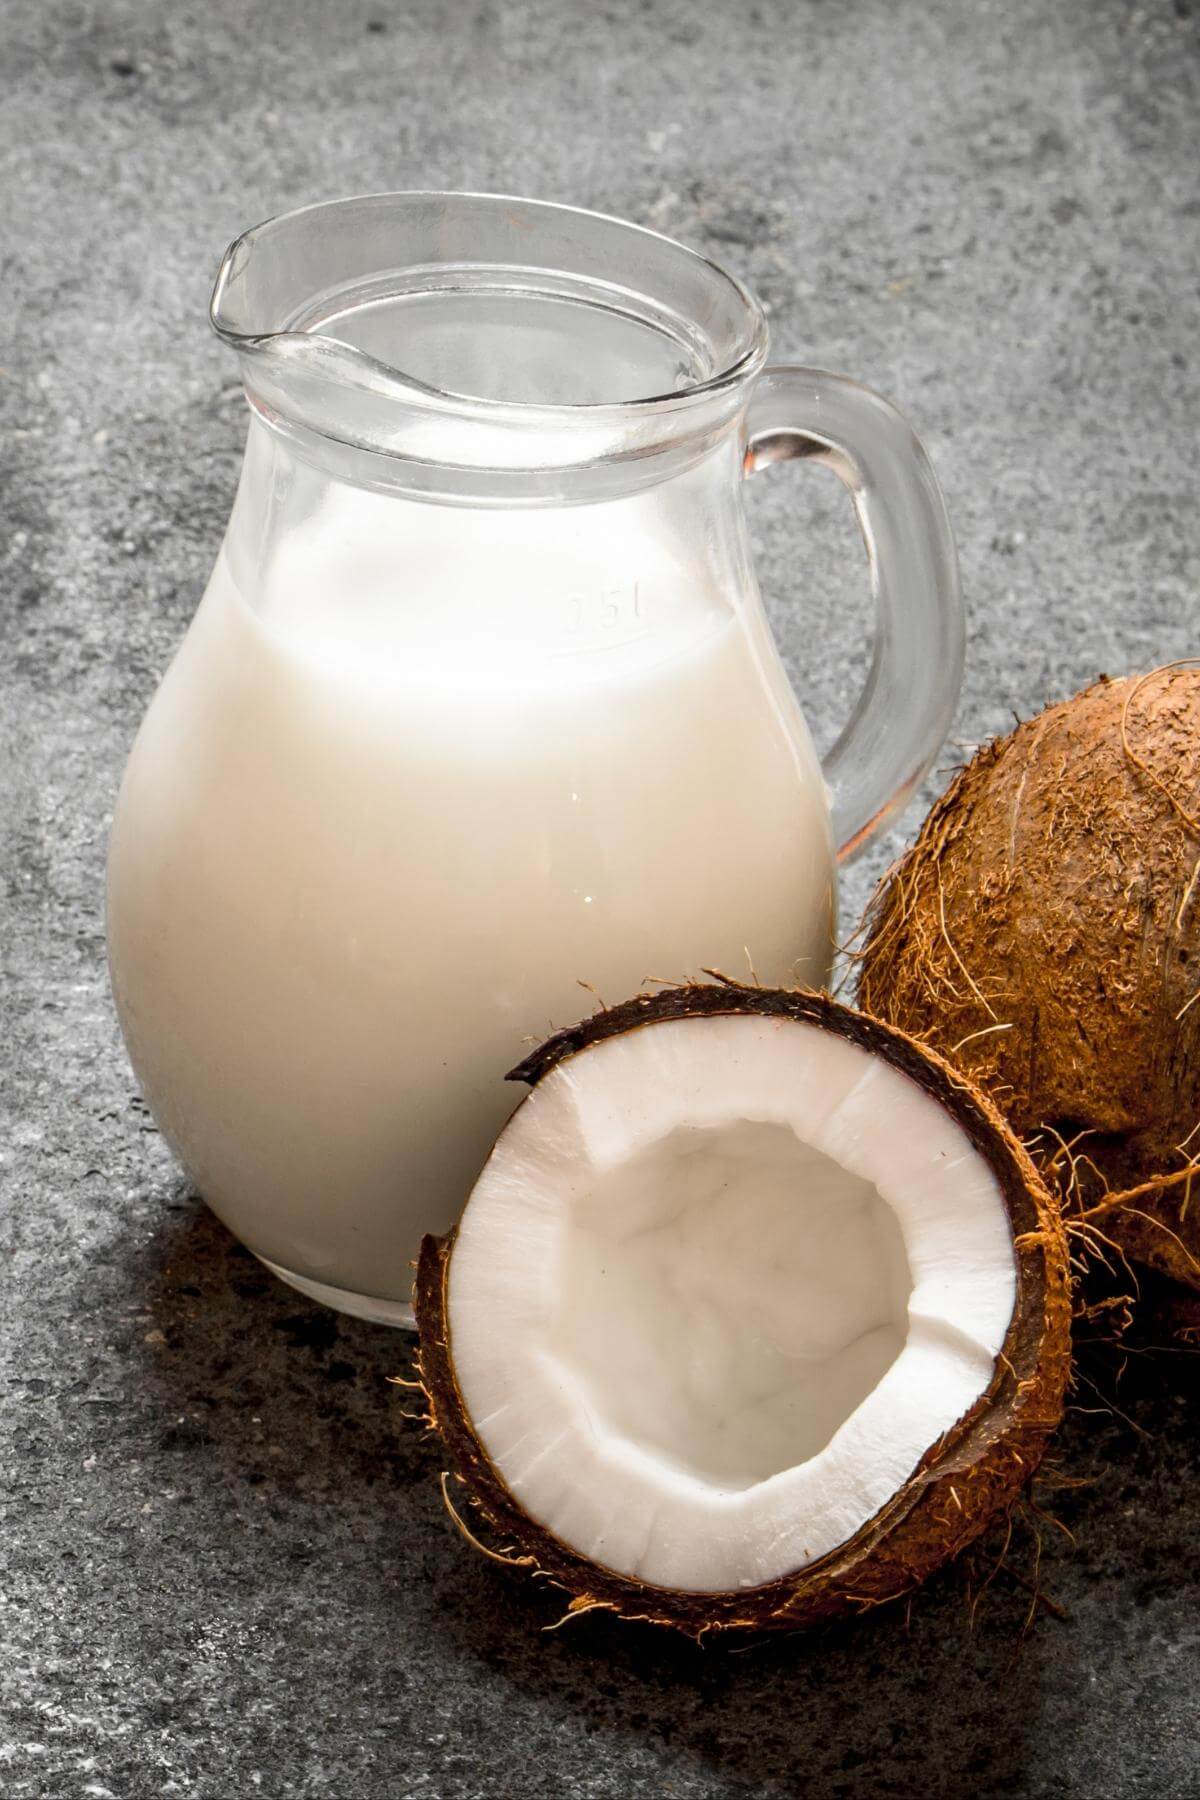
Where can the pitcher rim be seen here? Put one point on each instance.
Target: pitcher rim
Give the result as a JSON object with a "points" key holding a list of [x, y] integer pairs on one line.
{"points": [[732, 374]]}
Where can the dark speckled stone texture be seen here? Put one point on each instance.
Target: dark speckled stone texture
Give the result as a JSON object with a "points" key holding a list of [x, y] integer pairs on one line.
{"points": [[225, 1570]]}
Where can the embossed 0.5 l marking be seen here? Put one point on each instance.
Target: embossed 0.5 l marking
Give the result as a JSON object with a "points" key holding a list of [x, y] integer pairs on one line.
{"points": [[608, 614]]}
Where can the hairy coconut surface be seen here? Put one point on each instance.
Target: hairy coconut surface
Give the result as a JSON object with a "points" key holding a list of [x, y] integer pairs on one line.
{"points": [[1044, 934], [618, 1342]]}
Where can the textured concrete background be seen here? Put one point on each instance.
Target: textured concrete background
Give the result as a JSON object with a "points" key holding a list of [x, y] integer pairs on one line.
{"points": [[225, 1569]]}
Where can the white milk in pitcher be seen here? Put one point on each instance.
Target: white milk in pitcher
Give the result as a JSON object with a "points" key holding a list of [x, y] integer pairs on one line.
{"points": [[380, 825]]}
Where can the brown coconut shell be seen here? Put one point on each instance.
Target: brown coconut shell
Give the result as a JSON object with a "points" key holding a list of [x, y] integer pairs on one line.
{"points": [[972, 1474], [1044, 933]]}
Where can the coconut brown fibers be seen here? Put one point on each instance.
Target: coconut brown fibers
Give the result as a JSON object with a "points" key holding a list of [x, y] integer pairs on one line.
{"points": [[1044, 934]]}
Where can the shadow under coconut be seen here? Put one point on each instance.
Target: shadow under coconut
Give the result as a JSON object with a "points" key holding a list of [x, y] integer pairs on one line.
{"points": [[316, 1504], [1015, 1698], [892, 1703]]}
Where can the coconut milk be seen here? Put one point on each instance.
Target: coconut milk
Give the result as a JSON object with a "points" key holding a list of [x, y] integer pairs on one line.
{"points": [[381, 823]]}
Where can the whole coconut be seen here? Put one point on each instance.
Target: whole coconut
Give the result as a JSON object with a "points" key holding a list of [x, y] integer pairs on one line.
{"points": [[1044, 934]]}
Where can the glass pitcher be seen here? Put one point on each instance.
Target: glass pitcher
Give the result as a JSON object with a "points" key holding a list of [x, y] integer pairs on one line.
{"points": [[479, 715]]}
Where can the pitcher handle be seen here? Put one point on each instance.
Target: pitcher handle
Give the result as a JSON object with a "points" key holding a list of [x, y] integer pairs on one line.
{"points": [[908, 698]]}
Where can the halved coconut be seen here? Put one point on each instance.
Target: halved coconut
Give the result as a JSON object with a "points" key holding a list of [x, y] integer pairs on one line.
{"points": [[757, 1313]]}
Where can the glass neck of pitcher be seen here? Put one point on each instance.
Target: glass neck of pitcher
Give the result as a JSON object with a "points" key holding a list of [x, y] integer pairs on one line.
{"points": [[629, 461], [487, 592]]}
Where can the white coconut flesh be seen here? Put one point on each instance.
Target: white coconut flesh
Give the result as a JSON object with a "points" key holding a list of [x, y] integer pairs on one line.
{"points": [[721, 1285]]}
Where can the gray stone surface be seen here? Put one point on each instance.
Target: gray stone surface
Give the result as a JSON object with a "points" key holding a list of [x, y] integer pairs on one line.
{"points": [[225, 1569]]}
